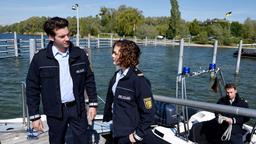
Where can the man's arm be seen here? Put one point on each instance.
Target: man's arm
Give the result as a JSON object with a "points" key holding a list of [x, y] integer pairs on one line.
{"points": [[90, 87], [33, 90]]}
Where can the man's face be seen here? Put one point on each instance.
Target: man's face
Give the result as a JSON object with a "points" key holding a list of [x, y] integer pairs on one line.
{"points": [[231, 93], [61, 38]]}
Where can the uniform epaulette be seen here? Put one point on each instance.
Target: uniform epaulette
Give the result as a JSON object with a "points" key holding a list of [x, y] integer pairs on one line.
{"points": [[138, 72]]}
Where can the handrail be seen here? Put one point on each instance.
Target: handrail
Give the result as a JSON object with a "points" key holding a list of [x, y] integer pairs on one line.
{"points": [[208, 106], [25, 115]]}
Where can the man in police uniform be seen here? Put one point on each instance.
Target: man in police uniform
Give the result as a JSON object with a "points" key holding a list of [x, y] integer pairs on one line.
{"points": [[129, 101], [59, 74]]}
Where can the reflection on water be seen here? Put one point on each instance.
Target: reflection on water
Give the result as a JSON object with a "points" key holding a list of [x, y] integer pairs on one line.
{"points": [[159, 65]]}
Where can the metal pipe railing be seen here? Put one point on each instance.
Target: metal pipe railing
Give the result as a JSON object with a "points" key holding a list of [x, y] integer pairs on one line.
{"points": [[208, 106]]}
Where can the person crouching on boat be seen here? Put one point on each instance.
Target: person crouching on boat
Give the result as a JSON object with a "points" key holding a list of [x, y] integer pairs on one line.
{"points": [[224, 128], [232, 98], [129, 101]]}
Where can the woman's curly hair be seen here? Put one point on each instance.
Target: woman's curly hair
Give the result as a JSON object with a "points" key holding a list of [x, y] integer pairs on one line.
{"points": [[129, 53]]}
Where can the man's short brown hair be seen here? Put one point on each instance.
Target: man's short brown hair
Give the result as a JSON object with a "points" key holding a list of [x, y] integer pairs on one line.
{"points": [[230, 85]]}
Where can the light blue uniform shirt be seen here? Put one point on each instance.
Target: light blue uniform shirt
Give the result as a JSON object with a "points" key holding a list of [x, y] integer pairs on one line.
{"points": [[66, 83], [119, 75]]}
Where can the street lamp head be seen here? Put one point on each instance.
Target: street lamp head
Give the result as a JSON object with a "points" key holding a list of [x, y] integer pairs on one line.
{"points": [[74, 7]]}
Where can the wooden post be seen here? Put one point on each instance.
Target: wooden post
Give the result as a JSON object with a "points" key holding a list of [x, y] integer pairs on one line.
{"points": [[239, 56], [32, 48], [15, 41]]}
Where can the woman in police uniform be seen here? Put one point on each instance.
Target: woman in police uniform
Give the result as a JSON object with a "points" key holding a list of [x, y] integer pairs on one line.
{"points": [[129, 101]]}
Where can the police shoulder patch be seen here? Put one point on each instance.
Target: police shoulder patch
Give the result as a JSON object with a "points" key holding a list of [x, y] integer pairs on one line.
{"points": [[148, 102]]}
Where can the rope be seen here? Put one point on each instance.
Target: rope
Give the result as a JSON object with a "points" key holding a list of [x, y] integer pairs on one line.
{"points": [[227, 134]]}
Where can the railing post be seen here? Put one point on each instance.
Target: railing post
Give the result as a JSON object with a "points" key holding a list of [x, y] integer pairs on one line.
{"points": [[98, 41], [212, 75], [42, 40], [146, 41], [15, 41], [111, 40], [135, 39], [32, 48], [181, 57], [239, 56], [89, 41]]}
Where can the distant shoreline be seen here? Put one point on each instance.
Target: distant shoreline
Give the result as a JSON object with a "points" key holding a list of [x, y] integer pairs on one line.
{"points": [[208, 45]]}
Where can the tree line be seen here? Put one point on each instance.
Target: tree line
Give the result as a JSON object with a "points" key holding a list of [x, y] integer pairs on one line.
{"points": [[128, 21]]}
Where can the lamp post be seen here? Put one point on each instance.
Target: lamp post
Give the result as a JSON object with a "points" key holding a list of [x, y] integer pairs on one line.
{"points": [[76, 7]]}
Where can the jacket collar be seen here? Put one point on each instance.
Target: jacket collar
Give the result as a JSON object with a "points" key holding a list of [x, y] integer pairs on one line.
{"points": [[73, 52], [130, 72]]}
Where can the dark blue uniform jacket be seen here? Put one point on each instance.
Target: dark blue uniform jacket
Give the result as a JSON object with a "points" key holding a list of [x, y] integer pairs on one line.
{"points": [[43, 79], [131, 108]]}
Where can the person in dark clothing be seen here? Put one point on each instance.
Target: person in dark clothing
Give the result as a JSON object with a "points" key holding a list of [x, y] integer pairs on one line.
{"points": [[60, 74], [232, 98], [129, 101], [212, 131]]}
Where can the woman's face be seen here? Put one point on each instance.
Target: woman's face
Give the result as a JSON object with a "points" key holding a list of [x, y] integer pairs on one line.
{"points": [[116, 55]]}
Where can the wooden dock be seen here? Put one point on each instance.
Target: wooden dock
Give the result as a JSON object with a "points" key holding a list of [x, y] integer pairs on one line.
{"points": [[21, 138], [13, 131]]}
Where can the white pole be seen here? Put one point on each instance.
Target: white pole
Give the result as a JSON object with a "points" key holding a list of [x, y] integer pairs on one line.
{"points": [[181, 56], [215, 52], [32, 48], [42, 40], [76, 7], [15, 45], [89, 41], [78, 29], [146, 41], [111, 40], [212, 75], [239, 56], [98, 41]]}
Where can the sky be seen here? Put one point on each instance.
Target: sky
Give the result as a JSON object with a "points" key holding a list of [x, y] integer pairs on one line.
{"points": [[13, 11]]}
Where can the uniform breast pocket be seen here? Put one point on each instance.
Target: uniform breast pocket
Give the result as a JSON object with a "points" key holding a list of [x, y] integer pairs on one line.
{"points": [[79, 68], [125, 94]]}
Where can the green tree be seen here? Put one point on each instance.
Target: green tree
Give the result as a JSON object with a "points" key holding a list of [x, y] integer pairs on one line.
{"points": [[127, 20], [249, 30], [194, 27], [148, 31], [236, 29], [174, 21], [106, 19], [202, 37], [91, 26]]}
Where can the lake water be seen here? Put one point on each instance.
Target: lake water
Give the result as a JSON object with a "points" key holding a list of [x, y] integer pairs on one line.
{"points": [[159, 64]]}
